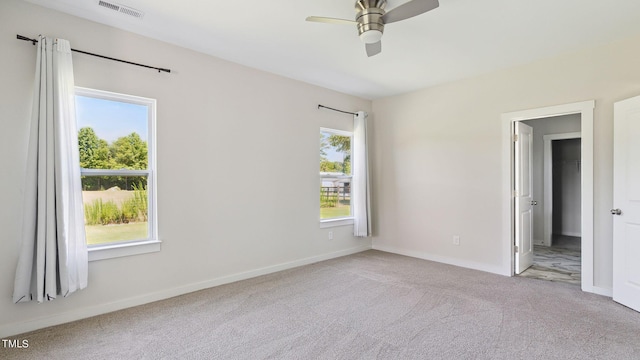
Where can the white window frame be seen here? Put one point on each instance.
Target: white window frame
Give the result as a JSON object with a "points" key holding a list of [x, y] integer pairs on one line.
{"points": [[340, 221], [151, 243]]}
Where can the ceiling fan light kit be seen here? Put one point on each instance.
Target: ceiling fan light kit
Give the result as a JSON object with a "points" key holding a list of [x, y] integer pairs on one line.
{"points": [[370, 25], [371, 36]]}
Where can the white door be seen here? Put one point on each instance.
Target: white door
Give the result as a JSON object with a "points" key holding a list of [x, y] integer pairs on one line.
{"points": [[626, 202], [523, 197]]}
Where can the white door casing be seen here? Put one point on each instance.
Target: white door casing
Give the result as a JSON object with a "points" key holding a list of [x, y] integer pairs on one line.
{"points": [[523, 197], [586, 111], [626, 199]]}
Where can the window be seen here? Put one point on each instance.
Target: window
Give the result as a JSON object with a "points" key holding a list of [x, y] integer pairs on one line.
{"points": [[116, 135], [335, 175]]}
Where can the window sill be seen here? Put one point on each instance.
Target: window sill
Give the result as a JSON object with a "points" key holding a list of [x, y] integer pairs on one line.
{"points": [[336, 222], [125, 249]]}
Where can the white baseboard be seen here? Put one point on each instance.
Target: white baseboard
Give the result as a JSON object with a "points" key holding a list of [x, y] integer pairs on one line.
{"points": [[469, 265], [31, 325], [569, 233], [442, 259]]}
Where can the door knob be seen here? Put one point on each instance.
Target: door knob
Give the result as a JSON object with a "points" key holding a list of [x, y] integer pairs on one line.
{"points": [[616, 212]]}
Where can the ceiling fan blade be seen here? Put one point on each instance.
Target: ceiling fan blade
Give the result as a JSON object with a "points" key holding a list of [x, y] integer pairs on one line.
{"points": [[409, 10], [373, 49], [330, 20]]}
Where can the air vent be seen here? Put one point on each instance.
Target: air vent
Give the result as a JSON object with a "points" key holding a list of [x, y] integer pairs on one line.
{"points": [[109, 5], [131, 12], [122, 9]]}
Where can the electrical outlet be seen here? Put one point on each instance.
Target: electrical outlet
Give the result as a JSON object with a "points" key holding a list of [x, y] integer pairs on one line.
{"points": [[456, 240], [330, 235]]}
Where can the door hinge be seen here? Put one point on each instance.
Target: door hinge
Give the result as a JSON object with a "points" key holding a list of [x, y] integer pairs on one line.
{"points": [[515, 248], [515, 193], [515, 137]]}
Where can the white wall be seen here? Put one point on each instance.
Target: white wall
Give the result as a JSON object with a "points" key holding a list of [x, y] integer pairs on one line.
{"points": [[228, 136], [542, 127], [438, 169]]}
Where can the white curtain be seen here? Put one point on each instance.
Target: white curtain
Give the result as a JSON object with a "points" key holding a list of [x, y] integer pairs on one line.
{"points": [[360, 189], [53, 257]]}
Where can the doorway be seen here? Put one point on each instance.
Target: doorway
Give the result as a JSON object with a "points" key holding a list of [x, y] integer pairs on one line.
{"points": [[556, 188], [585, 112]]}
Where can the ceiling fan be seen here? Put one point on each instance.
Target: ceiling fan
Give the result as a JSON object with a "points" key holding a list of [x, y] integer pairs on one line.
{"points": [[371, 19]]}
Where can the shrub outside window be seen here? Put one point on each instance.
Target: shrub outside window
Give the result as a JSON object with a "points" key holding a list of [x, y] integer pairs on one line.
{"points": [[335, 174], [116, 135]]}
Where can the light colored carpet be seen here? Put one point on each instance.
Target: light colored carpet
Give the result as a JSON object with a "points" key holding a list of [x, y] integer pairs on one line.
{"points": [[371, 305]]}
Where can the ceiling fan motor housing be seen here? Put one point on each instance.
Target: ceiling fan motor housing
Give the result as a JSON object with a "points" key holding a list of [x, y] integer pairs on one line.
{"points": [[369, 19]]}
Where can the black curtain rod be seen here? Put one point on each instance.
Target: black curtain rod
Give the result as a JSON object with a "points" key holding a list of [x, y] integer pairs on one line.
{"points": [[344, 112], [34, 41]]}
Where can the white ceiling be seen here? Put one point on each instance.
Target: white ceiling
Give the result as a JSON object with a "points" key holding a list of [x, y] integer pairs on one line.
{"points": [[461, 38]]}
